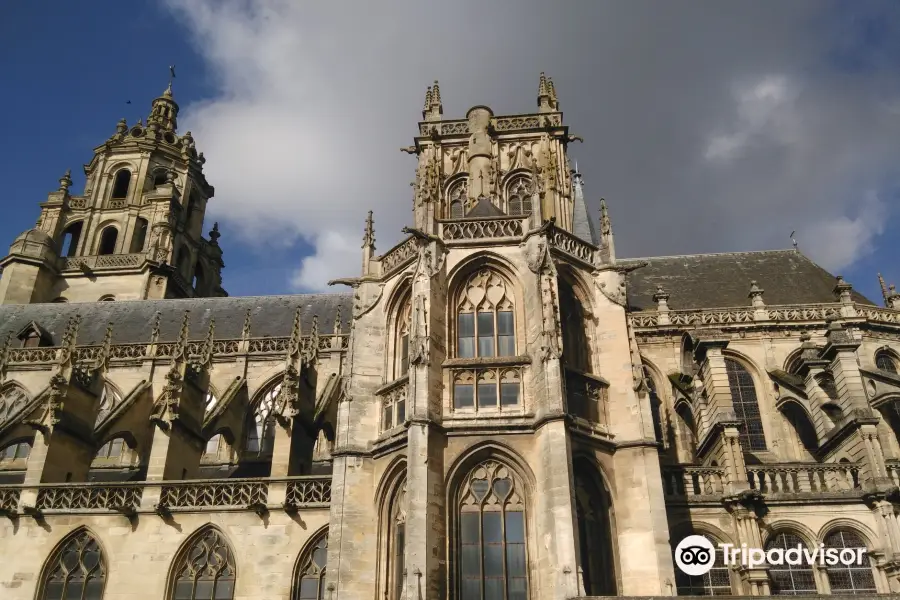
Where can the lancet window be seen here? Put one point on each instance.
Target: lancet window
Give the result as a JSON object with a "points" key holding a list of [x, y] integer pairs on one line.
{"points": [[397, 545], [519, 196], [592, 505], [205, 569], [491, 535], [402, 344], [456, 200], [76, 571], [787, 579], [310, 578], [853, 579], [485, 321], [746, 405], [260, 425]]}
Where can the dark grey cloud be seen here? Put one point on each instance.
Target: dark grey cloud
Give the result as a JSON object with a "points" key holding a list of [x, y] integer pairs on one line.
{"points": [[708, 126]]}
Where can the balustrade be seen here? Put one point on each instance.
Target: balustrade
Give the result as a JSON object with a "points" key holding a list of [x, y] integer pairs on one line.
{"points": [[799, 478], [893, 469], [301, 492], [91, 496], [399, 255], [479, 229], [573, 246], [693, 482]]}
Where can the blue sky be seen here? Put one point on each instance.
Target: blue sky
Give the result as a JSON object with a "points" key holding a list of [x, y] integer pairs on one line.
{"points": [[707, 129]]}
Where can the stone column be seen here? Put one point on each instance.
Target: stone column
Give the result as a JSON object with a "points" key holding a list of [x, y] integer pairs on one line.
{"points": [[642, 531], [353, 522], [745, 509], [426, 532]]}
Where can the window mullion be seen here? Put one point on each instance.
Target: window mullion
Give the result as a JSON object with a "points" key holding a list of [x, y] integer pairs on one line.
{"points": [[503, 551], [481, 545]]}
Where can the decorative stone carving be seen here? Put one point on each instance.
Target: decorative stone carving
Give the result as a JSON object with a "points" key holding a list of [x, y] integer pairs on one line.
{"points": [[419, 340], [51, 409]]}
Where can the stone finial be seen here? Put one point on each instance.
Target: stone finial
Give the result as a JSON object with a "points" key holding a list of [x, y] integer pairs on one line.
{"points": [[154, 331], [543, 97], [661, 297], [756, 294], [369, 232], [65, 182], [884, 290], [245, 330], [214, 234], [170, 176], [554, 101], [338, 323], [842, 290], [607, 243], [427, 106], [433, 106], [893, 298], [121, 126], [436, 96], [368, 245]]}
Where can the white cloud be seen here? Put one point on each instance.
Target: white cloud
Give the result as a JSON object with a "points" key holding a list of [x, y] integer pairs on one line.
{"points": [[840, 242], [701, 137]]}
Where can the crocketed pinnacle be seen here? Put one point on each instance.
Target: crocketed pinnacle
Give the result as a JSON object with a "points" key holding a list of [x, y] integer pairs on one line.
{"points": [[369, 233], [436, 96], [427, 99]]}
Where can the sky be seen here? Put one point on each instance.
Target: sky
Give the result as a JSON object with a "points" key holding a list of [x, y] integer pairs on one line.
{"points": [[708, 126]]}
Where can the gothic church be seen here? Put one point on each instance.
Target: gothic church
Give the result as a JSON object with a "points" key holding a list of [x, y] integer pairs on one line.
{"points": [[497, 408]]}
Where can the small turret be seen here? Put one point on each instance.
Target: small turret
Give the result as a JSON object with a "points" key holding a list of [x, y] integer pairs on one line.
{"points": [[543, 97], [433, 107], [164, 111]]}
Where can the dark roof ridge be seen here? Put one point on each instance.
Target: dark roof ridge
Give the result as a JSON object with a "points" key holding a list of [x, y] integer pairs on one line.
{"points": [[735, 253]]}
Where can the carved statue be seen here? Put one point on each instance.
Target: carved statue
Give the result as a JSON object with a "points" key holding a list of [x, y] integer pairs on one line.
{"points": [[419, 340]]}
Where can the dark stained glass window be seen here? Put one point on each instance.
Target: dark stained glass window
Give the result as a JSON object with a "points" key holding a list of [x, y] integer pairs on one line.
{"points": [[76, 571], [205, 571], [310, 580], [853, 579], [746, 405], [790, 580]]}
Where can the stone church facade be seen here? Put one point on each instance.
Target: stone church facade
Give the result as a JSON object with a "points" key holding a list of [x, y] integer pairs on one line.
{"points": [[498, 408]]}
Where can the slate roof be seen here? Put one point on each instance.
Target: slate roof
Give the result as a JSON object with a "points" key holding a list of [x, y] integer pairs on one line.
{"points": [[132, 320], [723, 280], [484, 208]]}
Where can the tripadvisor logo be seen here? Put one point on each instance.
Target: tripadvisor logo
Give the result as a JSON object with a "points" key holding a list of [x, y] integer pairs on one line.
{"points": [[695, 555]]}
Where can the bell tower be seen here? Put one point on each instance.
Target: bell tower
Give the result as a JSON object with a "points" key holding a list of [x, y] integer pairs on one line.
{"points": [[136, 232]]}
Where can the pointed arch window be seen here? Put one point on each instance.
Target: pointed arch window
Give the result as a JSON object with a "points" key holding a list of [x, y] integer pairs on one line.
{"points": [[746, 405], [576, 349], [76, 571], [120, 186], [717, 582], [491, 535], [397, 544], [204, 569], [790, 580], [592, 506], [655, 405], [310, 577], [885, 362], [260, 425], [457, 200], [485, 320], [108, 238], [15, 454], [519, 196], [854, 579], [404, 319], [12, 400]]}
